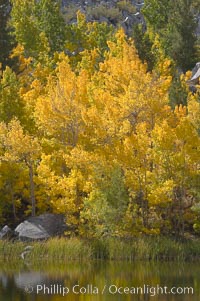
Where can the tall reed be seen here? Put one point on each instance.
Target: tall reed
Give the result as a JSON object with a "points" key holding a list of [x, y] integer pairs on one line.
{"points": [[142, 248]]}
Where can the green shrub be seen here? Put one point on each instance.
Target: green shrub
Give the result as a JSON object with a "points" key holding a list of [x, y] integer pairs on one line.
{"points": [[70, 13], [113, 14], [127, 6]]}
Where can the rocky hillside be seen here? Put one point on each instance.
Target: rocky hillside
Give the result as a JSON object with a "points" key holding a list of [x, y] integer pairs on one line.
{"points": [[118, 13]]}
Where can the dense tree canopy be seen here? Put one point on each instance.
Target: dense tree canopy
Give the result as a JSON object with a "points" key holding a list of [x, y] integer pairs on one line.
{"points": [[175, 22], [6, 43], [90, 130], [38, 26]]}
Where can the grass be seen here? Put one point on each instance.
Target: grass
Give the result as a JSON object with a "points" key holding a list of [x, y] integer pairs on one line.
{"points": [[143, 248], [57, 249]]}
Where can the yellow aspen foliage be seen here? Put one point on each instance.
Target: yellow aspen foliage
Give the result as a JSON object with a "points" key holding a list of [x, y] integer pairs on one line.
{"points": [[86, 130], [194, 110], [62, 191], [176, 151], [89, 61], [13, 185], [58, 112], [24, 62], [20, 147], [114, 155]]}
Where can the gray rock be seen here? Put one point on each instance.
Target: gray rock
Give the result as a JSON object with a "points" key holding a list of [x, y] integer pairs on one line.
{"points": [[195, 74], [88, 7], [28, 230], [41, 227], [194, 80], [28, 279], [103, 19], [84, 5], [6, 233]]}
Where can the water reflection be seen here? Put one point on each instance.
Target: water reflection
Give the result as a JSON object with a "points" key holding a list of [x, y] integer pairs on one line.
{"points": [[86, 281]]}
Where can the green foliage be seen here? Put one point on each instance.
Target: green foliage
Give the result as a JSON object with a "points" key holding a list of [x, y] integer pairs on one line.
{"points": [[6, 43], [84, 37], [105, 207], [157, 13], [11, 104], [178, 92], [25, 24], [97, 215], [51, 22], [13, 188], [38, 26], [181, 35], [144, 45], [175, 24]]}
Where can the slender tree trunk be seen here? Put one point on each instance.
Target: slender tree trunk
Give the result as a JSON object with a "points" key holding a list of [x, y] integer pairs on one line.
{"points": [[32, 188]]}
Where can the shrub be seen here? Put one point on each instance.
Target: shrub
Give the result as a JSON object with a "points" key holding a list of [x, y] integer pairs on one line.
{"points": [[113, 14], [70, 12], [127, 6]]}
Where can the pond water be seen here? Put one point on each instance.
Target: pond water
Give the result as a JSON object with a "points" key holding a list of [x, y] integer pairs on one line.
{"points": [[139, 281]]}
